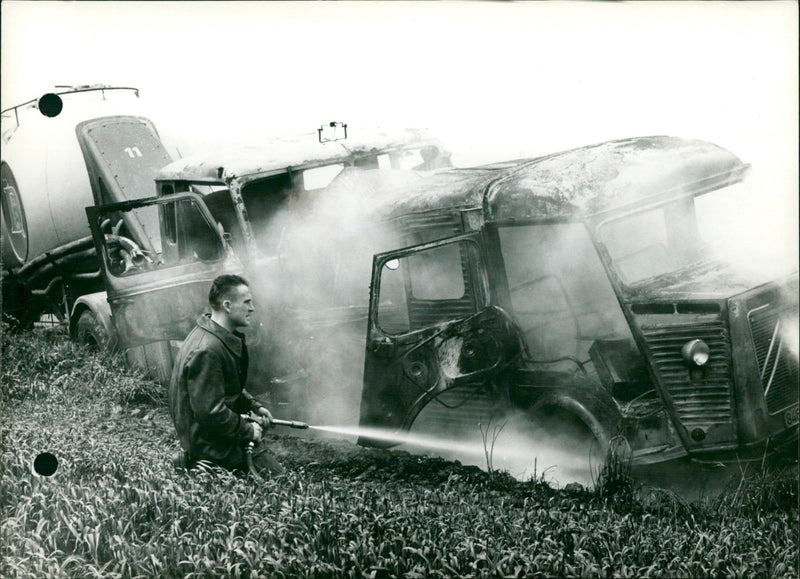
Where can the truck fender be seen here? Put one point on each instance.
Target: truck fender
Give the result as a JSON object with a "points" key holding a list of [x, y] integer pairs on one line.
{"points": [[591, 411], [90, 321]]}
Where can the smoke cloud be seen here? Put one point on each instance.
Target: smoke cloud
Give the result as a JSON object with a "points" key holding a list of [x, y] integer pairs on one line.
{"points": [[315, 291], [749, 227]]}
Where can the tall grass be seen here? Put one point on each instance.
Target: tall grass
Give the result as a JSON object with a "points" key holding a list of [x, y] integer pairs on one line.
{"points": [[116, 508], [45, 365]]}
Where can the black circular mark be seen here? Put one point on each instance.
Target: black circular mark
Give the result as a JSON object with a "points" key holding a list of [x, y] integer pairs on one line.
{"points": [[50, 105], [45, 464]]}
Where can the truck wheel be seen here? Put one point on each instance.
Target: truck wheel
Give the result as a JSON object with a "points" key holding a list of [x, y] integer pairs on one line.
{"points": [[581, 451], [568, 429], [90, 332], [154, 360]]}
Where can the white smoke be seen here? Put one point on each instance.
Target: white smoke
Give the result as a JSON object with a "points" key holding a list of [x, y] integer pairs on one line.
{"points": [[511, 443], [318, 291], [752, 228]]}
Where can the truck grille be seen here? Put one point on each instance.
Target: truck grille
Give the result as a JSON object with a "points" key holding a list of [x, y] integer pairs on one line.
{"points": [[700, 401], [776, 366]]}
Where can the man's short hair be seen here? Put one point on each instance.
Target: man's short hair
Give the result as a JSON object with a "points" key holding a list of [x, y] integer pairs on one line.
{"points": [[221, 286]]}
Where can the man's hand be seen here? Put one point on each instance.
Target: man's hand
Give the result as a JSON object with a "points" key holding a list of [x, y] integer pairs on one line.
{"points": [[262, 411]]}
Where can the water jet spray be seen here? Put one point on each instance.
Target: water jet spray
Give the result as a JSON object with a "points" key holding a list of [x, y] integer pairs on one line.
{"points": [[427, 441]]}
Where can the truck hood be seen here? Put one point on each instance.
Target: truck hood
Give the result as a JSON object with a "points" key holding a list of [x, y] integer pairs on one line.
{"points": [[711, 279]]}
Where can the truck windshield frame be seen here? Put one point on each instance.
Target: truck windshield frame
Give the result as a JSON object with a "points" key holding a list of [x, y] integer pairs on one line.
{"points": [[558, 289], [178, 241], [666, 238], [398, 307]]}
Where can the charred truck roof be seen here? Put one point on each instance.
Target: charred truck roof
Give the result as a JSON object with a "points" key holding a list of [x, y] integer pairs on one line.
{"points": [[580, 182], [281, 154]]}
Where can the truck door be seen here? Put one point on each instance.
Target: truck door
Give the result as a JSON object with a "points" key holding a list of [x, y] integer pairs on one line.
{"points": [[123, 155], [155, 293], [431, 328]]}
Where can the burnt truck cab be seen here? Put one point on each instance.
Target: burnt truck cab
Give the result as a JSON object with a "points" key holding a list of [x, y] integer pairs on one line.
{"points": [[226, 213], [246, 188], [579, 288]]}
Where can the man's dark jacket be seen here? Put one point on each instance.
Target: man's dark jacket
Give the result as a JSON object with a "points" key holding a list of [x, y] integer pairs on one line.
{"points": [[207, 396]]}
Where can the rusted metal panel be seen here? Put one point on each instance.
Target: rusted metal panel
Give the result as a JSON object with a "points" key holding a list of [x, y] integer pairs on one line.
{"points": [[458, 188], [764, 334], [775, 360], [128, 153], [164, 314]]}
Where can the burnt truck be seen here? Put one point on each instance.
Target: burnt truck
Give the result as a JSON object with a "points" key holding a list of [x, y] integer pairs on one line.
{"points": [[582, 289], [245, 211], [136, 275]]}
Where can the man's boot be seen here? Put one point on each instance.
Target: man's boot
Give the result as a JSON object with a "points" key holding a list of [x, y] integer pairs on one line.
{"points": [[180, 460]]}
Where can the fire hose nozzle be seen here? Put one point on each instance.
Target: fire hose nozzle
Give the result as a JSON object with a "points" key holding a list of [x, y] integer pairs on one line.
{"points": [[290, 423]]}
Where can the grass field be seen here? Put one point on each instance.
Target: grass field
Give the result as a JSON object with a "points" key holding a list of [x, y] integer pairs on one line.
{"points": [[115, 506]]}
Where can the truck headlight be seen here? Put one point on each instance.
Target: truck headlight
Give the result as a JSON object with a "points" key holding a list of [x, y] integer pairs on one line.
{"points": [[696, 353]]}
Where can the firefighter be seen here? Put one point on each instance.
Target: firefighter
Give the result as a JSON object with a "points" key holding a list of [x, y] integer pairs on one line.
{"points": [[207, 399]]}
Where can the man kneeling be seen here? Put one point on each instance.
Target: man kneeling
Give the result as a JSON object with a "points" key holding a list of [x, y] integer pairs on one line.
{"points": [[207, 399]]}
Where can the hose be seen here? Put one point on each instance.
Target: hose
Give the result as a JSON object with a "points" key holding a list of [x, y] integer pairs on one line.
{"points": [[250, 466]]}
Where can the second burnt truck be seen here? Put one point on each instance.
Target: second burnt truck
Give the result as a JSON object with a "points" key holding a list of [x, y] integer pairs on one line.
{"points": [[136, 274]]}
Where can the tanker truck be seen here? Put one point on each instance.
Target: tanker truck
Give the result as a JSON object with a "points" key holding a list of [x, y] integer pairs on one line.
{"points": [[71, 148]]}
